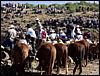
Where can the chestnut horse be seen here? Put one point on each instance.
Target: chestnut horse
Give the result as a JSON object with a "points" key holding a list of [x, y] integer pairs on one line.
{"points": [[20, 56], [77, 52], [62, 56], [46, 55]]}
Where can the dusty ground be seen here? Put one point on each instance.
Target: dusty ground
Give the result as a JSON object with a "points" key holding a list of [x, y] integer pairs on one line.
{"points": [[91, 69]]}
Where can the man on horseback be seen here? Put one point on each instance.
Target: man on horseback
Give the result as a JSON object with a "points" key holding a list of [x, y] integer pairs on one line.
{"points": [[53, 36], [30, 37], [78, 32], [10, 36]]}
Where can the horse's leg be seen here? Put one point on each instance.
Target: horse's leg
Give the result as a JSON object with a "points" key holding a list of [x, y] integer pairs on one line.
{"points": [[75, 69], [86, 60], [41, 70], [76, 65], [65, 63], [58, 66], [58, 69], [80, 66], [66, 68]]}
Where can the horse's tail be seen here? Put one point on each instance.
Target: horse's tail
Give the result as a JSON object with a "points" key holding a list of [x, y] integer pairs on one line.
{"points": [[81, 53], [50, 61]]}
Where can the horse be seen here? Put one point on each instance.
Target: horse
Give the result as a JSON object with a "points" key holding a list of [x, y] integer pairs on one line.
{"points": [[46, 55], [61, 56], [94, 49], [97, 50], [87, 45], [20, 56], [77, 52]]}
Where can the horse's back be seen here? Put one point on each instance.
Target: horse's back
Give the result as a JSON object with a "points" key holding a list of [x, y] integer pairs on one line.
{"points": [[61, 49], [75, 48]]}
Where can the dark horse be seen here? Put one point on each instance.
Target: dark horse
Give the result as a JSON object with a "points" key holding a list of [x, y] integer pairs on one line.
{"points": [[86, 45], [62, 56], [47, 55], [20, 56], [77, 52]]}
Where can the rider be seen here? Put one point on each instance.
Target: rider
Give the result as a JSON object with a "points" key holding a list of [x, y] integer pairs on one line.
{"points": [[53, 36], [30, 37], [62, 36], [78, 33], [10, 36]]}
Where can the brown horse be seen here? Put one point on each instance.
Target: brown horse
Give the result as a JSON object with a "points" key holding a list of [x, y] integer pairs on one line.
{"points": [[77, 52], [47, 55], [97, 50], [20, 56], [94, 49], [86, 44], [62, 56]]}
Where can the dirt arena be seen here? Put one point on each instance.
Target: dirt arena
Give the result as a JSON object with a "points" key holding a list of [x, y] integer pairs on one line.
{"points": [[91, 69]]}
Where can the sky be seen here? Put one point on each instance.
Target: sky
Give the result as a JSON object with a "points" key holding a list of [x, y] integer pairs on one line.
{"points": [[44, 2]]}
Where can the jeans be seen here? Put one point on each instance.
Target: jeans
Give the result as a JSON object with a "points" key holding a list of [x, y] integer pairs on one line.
{"points": [[8, 43]]}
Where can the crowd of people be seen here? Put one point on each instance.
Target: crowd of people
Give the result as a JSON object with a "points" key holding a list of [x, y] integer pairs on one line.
{"points": [[50, 31], [40, 32]]}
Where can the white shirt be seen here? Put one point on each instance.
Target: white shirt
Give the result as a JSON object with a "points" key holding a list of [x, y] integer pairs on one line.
{"points": [[79, 31], [53, 35], [12, 33], [31, 32], [23, 41]]}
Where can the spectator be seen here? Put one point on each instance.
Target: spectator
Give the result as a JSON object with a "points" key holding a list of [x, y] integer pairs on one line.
{"points": [[70, 28], [38, 28]]}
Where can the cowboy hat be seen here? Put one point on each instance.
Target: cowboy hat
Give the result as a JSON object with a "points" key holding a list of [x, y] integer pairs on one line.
{"points": [[28, 25], [12, 26], [52, 31], [77, 26], [37, 19]]}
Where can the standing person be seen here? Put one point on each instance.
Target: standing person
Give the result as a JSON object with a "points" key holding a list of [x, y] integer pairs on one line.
{"points": [[73, 32], [70, 28], [30, 37], [88, 34], [43, 33], [38, 28], [10, 36]]}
